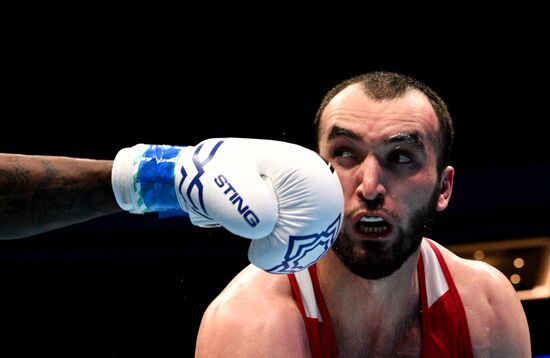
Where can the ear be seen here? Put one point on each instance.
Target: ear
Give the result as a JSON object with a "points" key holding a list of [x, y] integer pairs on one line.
{"points": [[446, 188]]}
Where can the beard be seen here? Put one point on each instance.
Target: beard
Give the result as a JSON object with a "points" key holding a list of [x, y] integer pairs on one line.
{"points": [[374, 260]]}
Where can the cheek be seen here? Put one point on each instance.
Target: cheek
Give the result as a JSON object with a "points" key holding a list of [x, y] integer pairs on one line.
{"points": [[348, 183], [410, 196], [418, 198]]}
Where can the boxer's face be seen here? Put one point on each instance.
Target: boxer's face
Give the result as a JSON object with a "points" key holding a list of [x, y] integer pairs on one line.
{"points": [[385, 154]]}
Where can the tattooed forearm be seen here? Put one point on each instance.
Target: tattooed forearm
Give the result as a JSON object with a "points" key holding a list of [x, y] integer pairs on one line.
{"points": [[60, 195], [39, 193], [11, 182]]}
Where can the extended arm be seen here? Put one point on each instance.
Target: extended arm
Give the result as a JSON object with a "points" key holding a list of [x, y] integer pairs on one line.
{"points": [[282, 196], [41, 193]]}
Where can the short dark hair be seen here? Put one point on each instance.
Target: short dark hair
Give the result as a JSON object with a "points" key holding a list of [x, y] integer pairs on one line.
{"points": [[388, 85]]}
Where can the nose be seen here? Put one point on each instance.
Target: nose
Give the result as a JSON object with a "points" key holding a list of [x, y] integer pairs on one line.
{"points": [[371, 186]]}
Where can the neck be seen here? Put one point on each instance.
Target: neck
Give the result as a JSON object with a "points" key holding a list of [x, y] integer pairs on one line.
{"points": [[335, 278], [385, 310]]}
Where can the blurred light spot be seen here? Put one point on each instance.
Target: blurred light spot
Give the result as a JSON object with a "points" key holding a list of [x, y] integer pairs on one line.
{"points": [[515, 278], [479, 255], [518, 262]]}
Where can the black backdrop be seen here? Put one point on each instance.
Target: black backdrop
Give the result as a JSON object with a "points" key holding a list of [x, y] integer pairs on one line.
{"points": [[131, 286]]}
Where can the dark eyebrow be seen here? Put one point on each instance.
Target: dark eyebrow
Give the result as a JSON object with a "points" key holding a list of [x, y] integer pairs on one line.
{"points": [[336, 132], [409, 138]]}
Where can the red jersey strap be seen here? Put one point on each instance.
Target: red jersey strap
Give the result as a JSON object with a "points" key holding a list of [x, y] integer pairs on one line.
{"points": [[310, 301], [445, 331]]}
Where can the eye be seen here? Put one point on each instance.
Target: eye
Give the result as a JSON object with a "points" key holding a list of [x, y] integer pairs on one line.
{"points": [[400, 156], [343, 153], [344, 157]]}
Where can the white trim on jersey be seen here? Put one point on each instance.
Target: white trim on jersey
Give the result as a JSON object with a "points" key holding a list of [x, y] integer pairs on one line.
{"points": [[436, 285], [308, 295]]}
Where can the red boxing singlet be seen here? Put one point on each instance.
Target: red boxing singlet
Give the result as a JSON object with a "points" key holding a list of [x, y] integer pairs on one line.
{"points": [[445, 330]]}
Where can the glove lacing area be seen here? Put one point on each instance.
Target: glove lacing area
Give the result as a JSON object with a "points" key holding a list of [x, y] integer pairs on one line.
{"points": [[143, 178]]}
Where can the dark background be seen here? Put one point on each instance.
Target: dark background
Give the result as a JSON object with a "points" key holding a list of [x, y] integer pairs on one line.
{"points": [[129, 286]]}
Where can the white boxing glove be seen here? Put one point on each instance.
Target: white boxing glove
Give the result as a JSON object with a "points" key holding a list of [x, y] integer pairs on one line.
{"points": [[284, 197]]}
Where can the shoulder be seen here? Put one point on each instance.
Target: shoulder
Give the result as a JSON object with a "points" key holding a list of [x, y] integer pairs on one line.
{"points": [[495, 315], [255, 315]]}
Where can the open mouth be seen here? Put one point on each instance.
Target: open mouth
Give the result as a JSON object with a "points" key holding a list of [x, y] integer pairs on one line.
{"points": [[373, 225]]}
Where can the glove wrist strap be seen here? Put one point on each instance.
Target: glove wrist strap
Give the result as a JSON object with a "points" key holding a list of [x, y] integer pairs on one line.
{"points": [[143, 179]]}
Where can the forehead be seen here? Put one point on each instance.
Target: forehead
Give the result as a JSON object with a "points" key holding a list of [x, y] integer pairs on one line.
{"points": [[354, 110]]}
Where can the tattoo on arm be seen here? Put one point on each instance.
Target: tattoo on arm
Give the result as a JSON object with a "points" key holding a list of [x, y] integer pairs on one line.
{"points": [[12, 206], [42, 193]]}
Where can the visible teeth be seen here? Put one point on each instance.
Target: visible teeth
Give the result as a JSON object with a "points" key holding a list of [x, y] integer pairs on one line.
{"points": [[372, 225], [372, 230], [371, 219]]}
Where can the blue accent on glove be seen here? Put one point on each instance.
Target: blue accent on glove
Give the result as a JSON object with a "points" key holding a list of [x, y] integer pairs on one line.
{"points": [[301, 246], [156, 178], [196, 181]]}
